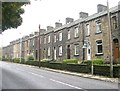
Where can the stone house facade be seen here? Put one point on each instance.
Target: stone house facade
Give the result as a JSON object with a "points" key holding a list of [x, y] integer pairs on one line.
{"points": [[87, 38]]}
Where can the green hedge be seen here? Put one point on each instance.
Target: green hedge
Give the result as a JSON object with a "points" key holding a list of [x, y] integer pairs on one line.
{"points": [[16, 60], [70, 61], [30, 58], [95, 61]]}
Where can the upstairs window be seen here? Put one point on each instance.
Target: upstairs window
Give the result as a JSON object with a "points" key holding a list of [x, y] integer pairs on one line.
{"points": [[114, 21], [54, 38], [44, 40], [68, 34], [60, 36], [87, 30], [76, 32], [98, 26], [49, 39]]}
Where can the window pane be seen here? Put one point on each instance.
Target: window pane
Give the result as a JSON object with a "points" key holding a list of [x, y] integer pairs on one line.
{"points": [[60, 36], [68, 34], [76, 49], [99, 48], [98, 26], [76, 32]]}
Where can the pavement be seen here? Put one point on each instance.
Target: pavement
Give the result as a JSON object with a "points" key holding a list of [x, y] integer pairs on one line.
{"points": [[96, 77]]}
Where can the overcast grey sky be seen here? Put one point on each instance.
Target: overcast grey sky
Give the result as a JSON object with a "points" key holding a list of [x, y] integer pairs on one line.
{"points": [[47, 12]]}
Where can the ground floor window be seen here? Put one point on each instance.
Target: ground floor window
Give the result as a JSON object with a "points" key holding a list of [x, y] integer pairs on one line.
{"points": [[99, 48], [48, 51], [60, 50], [77, 49]]}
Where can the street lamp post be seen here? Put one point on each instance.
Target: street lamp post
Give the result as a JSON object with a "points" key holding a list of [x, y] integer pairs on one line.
{"points": [[110, 40], [20, 49], [39, 46]]}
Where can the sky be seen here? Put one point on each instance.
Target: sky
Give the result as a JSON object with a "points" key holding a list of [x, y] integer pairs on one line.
{"points": [[47, 12]]}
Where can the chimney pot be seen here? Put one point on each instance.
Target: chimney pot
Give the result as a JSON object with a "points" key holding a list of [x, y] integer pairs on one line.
{"points": [[69, 20], [83, 15], [57, 24], [101, 8], [49, 28]]}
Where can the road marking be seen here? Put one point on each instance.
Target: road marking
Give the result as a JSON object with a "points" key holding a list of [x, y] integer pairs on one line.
{"points": [[36, 74], [65, 84]]}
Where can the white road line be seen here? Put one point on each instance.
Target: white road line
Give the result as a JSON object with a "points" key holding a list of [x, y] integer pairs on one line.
{"points": [[36, 74], [66, 84]]}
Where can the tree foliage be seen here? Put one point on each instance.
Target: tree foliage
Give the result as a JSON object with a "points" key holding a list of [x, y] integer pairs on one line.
{"points": [[11, 14]]}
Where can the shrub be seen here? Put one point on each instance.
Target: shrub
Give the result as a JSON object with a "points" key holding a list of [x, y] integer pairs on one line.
{"points": [[22, 61], [16, 60], [30, 58], [70, 61], [46, 60], [98, 61], [95, 61]]}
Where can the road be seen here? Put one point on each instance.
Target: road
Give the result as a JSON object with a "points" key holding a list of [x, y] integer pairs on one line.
{"points": [[19, 76]]}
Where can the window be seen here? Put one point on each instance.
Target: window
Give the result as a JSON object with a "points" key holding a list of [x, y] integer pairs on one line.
{"points": [[114, 20], [44, 40], [54, 38], [60, 36], [48, 51], [33, 42], [76, 32], [87, 30], [49, 39], [27, 43], [60, 50], [76, 49], [98, 26], [99, 47], [68, 34]]}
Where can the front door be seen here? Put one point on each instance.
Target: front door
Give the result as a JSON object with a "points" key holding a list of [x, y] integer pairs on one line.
{"points": [[116, 49], [88, 54], [68, 52]]}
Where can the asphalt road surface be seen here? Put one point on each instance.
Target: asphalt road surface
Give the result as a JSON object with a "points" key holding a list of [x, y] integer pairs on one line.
{"points": [[19, 76]]}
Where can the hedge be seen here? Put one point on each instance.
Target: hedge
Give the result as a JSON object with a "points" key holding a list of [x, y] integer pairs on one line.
{"points": [[70, 61]]}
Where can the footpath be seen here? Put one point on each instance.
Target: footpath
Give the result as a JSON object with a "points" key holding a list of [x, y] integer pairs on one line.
{"points": [[96, 77]]}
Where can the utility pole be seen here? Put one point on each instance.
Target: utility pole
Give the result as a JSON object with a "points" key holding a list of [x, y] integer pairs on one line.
{"points": [[110, 40], [39, 46], [20, 49]]}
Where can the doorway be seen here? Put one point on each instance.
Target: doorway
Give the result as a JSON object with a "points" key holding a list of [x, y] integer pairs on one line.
{"points": [[88, 54], [55, 57], [115, 49], [68, 52]]}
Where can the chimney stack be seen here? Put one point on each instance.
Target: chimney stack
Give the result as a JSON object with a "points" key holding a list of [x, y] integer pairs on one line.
{"points": [[36, 33], [83, 15], [57, 24], [30, 35], [101, 8], [69, 20], [49, 28]]}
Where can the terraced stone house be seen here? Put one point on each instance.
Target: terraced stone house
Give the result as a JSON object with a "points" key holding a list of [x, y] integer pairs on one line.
{"points": [[84, 39]]}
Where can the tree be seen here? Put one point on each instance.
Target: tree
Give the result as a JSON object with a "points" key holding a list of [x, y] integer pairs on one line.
{"points": [[11, 14]]}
